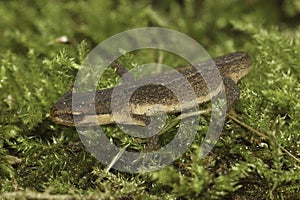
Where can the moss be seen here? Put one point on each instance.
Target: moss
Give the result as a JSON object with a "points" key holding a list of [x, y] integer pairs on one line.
{"points": [[38, 156]]}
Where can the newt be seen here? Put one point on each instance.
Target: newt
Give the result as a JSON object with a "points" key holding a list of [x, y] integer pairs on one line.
{"points": [[232, 67]]}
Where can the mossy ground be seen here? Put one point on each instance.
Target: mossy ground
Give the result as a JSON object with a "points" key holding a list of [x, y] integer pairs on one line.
{"points": [[39, 157]]}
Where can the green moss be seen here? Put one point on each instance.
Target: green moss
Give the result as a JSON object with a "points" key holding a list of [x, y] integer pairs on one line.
{"points": [[37, 155]]}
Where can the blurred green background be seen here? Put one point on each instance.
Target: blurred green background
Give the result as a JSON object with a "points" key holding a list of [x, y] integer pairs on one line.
{"points": [[39, 157]]}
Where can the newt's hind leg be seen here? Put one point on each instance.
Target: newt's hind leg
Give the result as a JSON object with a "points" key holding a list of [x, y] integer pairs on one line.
{"points": [[232, 91]]}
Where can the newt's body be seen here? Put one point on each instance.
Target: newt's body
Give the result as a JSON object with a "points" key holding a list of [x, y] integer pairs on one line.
{"points": [[232, 68]]}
